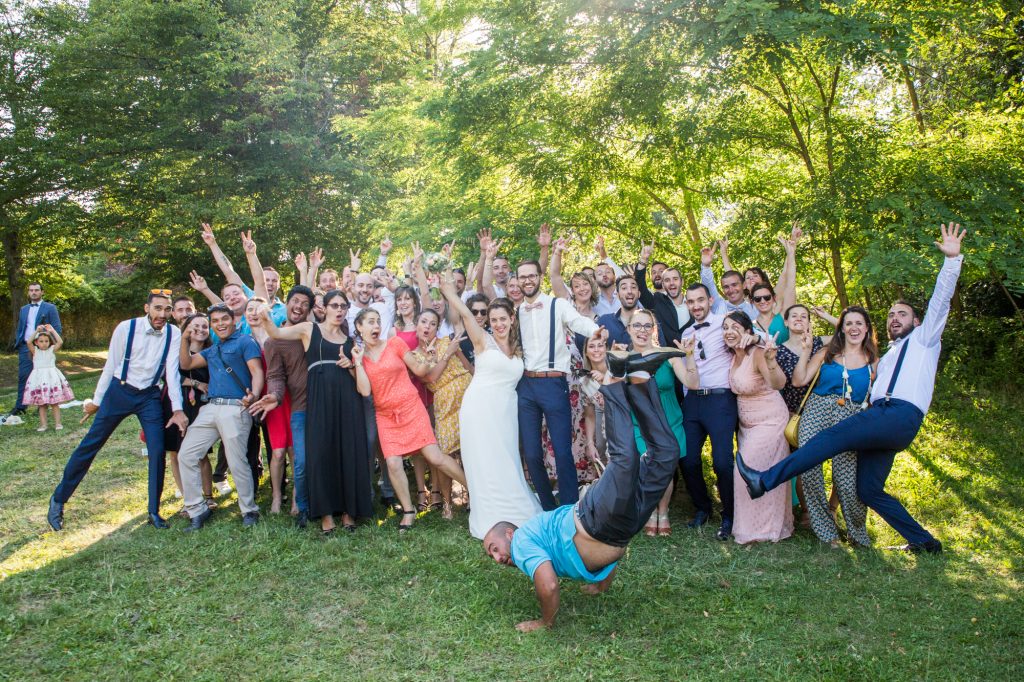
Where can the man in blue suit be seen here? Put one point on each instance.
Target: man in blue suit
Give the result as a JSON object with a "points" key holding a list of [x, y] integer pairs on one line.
{"points": [[35, 313]]}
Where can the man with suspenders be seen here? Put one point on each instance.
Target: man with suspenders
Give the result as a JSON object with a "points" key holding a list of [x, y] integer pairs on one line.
{"points": [[543, 390], [907, 371], [142, 352]]}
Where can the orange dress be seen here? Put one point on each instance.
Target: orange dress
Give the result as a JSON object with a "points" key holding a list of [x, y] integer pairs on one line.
{"points": [[403, 425]]}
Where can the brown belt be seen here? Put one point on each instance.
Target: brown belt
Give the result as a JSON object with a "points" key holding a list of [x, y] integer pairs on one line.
{"points": [[544, 375]]}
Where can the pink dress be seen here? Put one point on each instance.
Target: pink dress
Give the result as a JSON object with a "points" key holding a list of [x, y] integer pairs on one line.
{"points": [[763, 415], [403, 424]]}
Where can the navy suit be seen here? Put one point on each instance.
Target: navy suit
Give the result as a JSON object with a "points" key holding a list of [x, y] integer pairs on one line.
{"points": [[47, 315]]}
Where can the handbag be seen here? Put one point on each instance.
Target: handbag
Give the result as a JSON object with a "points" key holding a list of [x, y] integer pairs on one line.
{"points": [[793, 426]]}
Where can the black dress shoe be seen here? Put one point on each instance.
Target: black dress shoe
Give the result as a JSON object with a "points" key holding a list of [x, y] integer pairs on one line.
{"points": [[698, 520], [18, 412], [930, 547], [751, 477], [650, 363], [198, 521], [250, 519], [617, 365], [725, 530], [302, 520], [55, 515], [157, 521]]}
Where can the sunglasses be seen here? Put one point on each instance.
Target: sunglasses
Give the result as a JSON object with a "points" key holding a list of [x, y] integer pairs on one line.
{"points": [[700, 350], [479, 311], [160, 292], [763, 298], [337, 306]]}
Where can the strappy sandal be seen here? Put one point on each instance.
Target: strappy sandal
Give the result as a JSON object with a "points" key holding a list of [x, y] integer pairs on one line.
{"points": [[405, 527], [651, 527], [436, 506], [424, 505], [664, 527]]}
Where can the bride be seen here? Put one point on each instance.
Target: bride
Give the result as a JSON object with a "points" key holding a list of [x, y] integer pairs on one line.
{"points": [[489, 418]]}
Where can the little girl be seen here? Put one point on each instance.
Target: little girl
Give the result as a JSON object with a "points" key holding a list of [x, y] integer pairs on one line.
{"points": [[46, 386]]}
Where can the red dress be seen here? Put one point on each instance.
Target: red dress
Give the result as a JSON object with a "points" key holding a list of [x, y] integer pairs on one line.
{"points": [[403, 425], [279, 420], [413, 342]]}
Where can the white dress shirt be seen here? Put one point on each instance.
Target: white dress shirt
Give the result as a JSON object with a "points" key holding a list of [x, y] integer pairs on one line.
{"points": [[535, 330], [719, 304], [147, 349], [916, 381], [682, 313], [30, 326], [605, 306], [387, 317], [714, 367]]}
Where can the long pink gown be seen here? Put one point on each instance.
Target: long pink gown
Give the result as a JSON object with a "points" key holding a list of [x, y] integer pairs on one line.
{"points": [[763, 416]]}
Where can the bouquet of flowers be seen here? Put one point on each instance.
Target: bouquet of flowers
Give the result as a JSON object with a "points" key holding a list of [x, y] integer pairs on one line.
{"points": [[436, 263]]}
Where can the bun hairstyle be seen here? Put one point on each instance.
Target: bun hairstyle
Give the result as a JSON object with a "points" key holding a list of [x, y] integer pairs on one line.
{"points": [[335, 293], [513, 332]]}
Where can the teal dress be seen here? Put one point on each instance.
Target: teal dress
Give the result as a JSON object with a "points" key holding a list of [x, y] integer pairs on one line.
{"points": [[777, 326], [665, 379]]}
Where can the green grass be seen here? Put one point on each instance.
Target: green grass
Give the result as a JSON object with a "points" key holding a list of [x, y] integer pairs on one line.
{"points": [[111, 598]]}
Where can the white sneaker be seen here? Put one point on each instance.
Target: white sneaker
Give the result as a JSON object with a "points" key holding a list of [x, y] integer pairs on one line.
{"points": [[223, 487], [177, 494]]}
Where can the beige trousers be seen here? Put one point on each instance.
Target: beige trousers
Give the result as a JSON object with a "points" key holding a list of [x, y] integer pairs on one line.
{"points": [[230, 424]]}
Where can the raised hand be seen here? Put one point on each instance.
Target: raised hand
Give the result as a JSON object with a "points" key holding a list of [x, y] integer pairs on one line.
{"points": [[417, 252], [248, 245], [628, 270], [686, 345], [316, 258], [707, 256], [301, 262], [561, 245], [952, 237], [544, 236], [723, 247], [770, 349], [447, 249], [385, 246], [453, 345], [493, 248], [602, 253], [208, 235], [355, 262], [796, 233], [748, 340], [343, 361], [484, 237], [807, 341], [357, 356], [645, 254], [197, 281]]}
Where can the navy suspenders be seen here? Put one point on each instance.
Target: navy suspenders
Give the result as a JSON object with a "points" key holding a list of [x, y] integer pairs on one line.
{"points": [[551, 335], [128, 355], [896, 371]]}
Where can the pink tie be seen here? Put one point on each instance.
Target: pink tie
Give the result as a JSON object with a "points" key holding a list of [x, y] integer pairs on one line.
{"points": [[534, 306]]}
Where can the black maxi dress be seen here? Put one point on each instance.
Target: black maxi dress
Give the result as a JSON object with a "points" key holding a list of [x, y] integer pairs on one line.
{"points": [[337, 456]]}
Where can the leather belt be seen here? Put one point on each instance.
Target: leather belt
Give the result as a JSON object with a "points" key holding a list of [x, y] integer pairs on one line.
{"points": [[710, 391], [543, 375], [225, 401]]}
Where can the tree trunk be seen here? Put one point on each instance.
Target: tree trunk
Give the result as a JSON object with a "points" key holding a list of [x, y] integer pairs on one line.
{"points": [[915, 104], [837, 271], [13, 268]]}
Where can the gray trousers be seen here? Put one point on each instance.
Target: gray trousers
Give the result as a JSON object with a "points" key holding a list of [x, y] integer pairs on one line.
{"points": [[619, 503], [230, 424]]}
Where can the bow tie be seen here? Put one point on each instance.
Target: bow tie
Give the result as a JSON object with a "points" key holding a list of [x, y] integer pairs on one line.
{"points": [[701, 325], [33, 305], [533, 306], [153, 332]]}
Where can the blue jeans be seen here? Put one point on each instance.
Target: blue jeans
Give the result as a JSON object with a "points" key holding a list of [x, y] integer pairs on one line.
{"points": [[548, 398], [876, 435], [24, 369], [119, 402], [299, 460]]}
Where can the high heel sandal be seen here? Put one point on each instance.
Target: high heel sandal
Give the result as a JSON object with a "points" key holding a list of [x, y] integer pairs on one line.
{"points": [[664, 527], [447, 513], [405, 527], [423, 504], [651, 527], [436, 505]]}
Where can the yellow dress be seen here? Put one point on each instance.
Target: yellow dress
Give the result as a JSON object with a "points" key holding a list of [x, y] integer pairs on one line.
{"points": [[448, 391]]}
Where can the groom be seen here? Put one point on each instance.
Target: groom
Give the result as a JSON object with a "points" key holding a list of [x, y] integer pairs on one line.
{"points": [[543, 390]]}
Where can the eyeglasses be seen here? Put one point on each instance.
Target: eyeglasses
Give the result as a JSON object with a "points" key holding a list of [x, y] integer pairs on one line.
{"points": [[529, 277], [645, 326], [479, 311], [764, 298], [160, 292], [337, 306]]}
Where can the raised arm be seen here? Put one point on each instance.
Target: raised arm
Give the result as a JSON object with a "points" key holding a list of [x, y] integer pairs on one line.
{"points": [[442, 362], [544, 242], [259, 282], [186, 360], [476, 334], [362, 380], [296, 332], [58, 342], [602, 254], [484, 237], [787, 280], [723, 250], [302, 267], [807, 366], [198, 283], [934, 322], [488, 278], [768, 364], [218, 256], [707, 275], [421, 368], [558, 288], [420, 274], [316, 259], [640, 273]]}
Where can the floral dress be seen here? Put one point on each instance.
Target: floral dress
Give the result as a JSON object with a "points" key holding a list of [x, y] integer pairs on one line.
{"points": [[448, 391], [585, 472]]}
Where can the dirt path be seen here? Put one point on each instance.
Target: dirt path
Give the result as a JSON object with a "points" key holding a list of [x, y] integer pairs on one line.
{"points": [[71, 363]]}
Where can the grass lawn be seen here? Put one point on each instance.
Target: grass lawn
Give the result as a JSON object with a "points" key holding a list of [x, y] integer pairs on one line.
{"points": [[111, 598]]}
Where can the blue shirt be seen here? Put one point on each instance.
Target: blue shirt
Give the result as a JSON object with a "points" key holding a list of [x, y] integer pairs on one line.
{"points": [[549, 537], [830, 381], [236, 351], [616, 330]]}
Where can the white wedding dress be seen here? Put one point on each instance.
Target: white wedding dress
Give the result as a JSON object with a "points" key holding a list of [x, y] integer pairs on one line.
{"points": [[489, 431]]}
